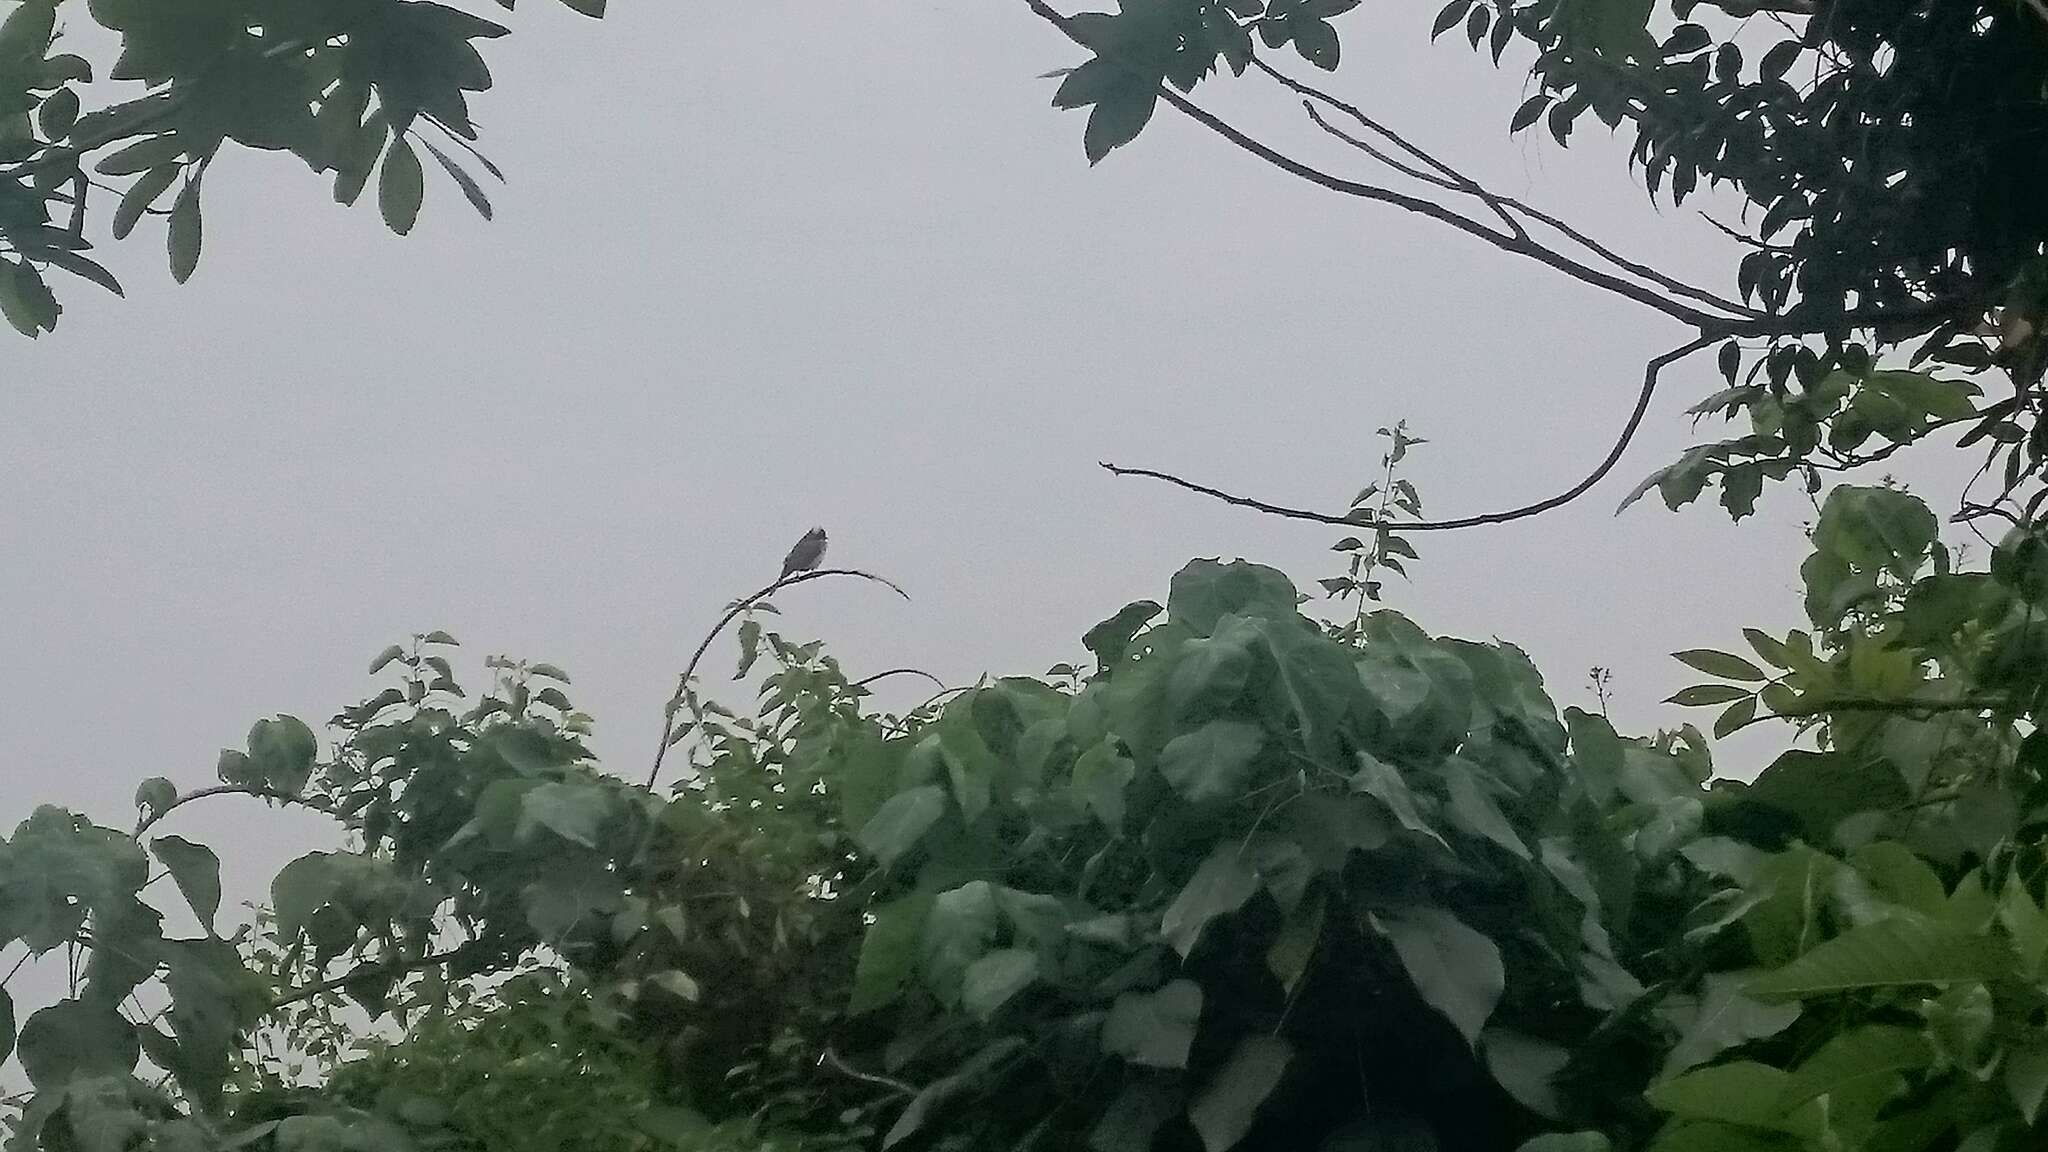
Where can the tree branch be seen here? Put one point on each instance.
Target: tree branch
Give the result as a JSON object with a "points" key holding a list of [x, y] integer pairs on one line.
{"points": [[867, 680], [668, 726], [1651, 372], [149, 821], [360, 971]]}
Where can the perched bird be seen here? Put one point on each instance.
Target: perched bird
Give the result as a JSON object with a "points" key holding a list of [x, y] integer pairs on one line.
{"points": [[806, 555]]}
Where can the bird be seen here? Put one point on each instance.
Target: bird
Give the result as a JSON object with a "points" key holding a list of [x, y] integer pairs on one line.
{"points": [[806, 555]]}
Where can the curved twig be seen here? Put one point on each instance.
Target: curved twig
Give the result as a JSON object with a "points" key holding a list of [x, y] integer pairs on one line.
{"points": [[831, 1059], [740, 606], [867, 680], [149, 821], [1358, 520]]}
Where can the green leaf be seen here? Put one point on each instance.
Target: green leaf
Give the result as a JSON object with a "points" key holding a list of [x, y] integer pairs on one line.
{"points": [[1727, 1018], [990, 982], [470, 188], [2026, 1077], [1869, 1057], [25, 35], [401, 186], [1888, 954], [1475, 812], [1214, 761], [1206, 591], [1773, 651], [1734, 717], [385, 657], [960, 930], [140, 195], [1118, 117], [6, 1025], [1224, 1112], [1722, 664], [1703, 694], [1288, 957], [1210, 673], [1100, 776], [1317, 42], [155, 796], [1743, 1093], [57, 112], [76, 1039], [575, 812], [185, 231], [1384, 784], [143, 155], [1155, 1029], [196, 871], [1220, 886], [1823, 788], [591, 8], [901, 822], [1109, 639], [888, 954], [1527, 1067], [1455, 967], [547, 672]]}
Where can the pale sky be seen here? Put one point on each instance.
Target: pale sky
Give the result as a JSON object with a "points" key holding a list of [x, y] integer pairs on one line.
{"points": [[773, 264]]}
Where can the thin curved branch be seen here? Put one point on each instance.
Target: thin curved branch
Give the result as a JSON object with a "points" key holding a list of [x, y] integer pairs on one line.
{"points": [[149, 821], [831, 1059], [1361, 520], [668, 725], [867, 680]]}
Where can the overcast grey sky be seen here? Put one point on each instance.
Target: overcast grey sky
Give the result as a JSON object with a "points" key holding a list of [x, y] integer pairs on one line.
{"points": [[772, 264]]}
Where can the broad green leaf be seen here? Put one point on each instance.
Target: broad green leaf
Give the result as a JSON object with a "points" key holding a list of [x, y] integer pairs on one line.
{"points": [[1220, 886], [960, 929], [1294, 946], [1475, 812], [590, 8], [1211, 672], [1888, 954], [901, 822], [1109, 639], [1384, 783], [155, 795], [25, 34], [888, 954], [1229, 1103], [1821, 789], [1118, 117], [384, 658], [185, 232], [1206, 591], [1726, 1018], [1455, 967], [1100, 776], [1136, 1115], [576, 812], [990, 982], [1214, 762], [1154, 1028], [1743, 1092], [1722, 664], [2026, 1077], [196, 871], [401, 187], [75, 1039], [1527, 1067], [1771, 649], [1863, 1059], [6, 1025]]}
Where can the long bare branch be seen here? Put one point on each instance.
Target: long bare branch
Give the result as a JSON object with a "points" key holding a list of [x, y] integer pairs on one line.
{"points": [[1651, 373]]}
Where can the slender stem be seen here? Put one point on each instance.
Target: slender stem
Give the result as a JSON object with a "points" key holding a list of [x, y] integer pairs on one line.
{"points": [[148, 821], [867, 680]]}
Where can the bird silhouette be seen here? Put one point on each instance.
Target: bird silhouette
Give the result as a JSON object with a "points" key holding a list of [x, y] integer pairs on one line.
{"points": [[808, 552]]}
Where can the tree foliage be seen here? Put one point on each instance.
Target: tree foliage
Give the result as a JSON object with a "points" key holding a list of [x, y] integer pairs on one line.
{"points": [[350, 87]]}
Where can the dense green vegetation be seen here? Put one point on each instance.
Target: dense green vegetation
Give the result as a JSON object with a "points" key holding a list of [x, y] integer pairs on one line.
{"points": [[1262, 871]]}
